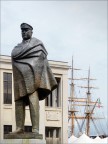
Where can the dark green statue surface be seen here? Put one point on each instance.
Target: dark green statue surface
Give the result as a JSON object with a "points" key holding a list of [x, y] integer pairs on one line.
{"points": [[33, 78]]}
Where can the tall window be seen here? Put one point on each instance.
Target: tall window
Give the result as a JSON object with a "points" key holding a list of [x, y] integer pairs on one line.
{"points": [[53, 132], [53, 135], [7, 129], [7, 79], [54, 99]]}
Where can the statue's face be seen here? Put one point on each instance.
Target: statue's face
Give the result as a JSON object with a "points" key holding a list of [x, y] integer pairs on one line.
{"points": [[26, 33]]}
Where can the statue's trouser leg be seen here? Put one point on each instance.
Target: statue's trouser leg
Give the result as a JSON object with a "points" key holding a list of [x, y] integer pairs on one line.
{"points": [[20, 114], [34, 111]]}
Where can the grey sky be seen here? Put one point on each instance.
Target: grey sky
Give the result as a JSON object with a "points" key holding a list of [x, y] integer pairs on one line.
{"points": [[67, 28]]}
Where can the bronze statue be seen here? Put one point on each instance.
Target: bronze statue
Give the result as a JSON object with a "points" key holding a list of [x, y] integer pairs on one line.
{"points": [[33, 78]]}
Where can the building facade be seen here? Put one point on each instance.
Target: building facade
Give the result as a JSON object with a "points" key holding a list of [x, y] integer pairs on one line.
{"points": [[53, 110]]}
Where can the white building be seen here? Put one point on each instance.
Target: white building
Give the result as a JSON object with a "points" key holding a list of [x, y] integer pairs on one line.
{"points": [[53, 110]]}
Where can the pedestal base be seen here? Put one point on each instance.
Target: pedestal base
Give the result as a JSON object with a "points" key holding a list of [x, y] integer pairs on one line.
{"points": [[26, 138], [22, 141], [23, 136]]}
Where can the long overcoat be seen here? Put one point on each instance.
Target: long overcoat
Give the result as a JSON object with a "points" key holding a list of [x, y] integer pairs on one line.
{"points": [[31, 71]]}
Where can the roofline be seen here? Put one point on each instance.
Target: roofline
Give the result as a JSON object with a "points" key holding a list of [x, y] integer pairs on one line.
{"points": [[48, 59], [5, 55], [57, 61]]}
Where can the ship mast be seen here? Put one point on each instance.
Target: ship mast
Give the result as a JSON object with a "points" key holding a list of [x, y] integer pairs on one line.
{"points": [[88, 105], [72, 109], [72, 96], [88, 112]]}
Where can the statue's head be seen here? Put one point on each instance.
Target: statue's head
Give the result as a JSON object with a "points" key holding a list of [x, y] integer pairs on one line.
{"points": [[26, 30]]}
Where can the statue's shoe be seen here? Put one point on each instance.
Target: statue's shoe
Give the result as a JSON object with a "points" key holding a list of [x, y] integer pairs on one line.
{"points": [[35, 131], [18, 131]]}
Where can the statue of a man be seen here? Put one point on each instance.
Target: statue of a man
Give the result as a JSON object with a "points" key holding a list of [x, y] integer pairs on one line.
{"points": [[33, 78]]}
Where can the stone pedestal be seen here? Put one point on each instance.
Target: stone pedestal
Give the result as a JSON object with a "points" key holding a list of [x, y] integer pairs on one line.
{"points": [[25, 138]]}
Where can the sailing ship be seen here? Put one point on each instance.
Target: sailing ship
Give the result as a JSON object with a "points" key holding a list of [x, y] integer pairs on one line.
{"points": [[81, 110]]}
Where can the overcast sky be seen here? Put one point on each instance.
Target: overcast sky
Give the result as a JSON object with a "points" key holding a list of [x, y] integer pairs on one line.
{"points": [[67, 28]]}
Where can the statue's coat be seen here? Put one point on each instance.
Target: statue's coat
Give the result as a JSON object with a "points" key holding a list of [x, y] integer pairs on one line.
{"points": [[31, 70]]}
